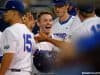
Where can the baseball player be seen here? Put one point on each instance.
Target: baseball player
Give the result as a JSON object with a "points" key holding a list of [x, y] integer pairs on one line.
{"points": [[45, 22], [17, 42], [45, 27], [64, 22]]}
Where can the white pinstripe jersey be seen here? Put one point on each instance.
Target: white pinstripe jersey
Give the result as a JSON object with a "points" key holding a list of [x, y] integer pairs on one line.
{"points": [[61, 31]]}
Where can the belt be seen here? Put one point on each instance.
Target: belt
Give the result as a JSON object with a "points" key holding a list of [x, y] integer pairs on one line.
{"points": [[17, 70]]}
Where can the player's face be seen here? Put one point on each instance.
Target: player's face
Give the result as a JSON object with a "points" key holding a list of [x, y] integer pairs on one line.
{"points": [[45, 23], [60, 11], [8, 15]]}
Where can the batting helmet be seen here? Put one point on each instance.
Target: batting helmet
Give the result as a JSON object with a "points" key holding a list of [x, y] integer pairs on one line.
{"points": [[44, 60]]}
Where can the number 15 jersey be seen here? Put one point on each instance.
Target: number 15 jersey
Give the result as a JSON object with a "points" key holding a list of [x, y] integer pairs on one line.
{"points": [[19, 40]]}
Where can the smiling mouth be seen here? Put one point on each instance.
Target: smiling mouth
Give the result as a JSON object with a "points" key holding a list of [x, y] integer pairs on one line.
{"points": [[57, 12], [48, 27]]}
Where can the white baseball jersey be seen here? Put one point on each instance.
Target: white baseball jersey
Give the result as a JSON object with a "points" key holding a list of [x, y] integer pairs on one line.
{"points": [[46, 46], [0, 44], [87, 28], [19, 40], [61, 31]]}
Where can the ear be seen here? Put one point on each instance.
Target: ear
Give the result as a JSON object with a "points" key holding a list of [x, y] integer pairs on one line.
{"points": [[67, 6], [38, 23], [15, 13]]}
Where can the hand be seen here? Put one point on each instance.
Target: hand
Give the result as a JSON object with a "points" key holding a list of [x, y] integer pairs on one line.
{"points": [[41, 37]]}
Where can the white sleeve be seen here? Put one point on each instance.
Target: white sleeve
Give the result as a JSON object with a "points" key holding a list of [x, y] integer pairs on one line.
{"points": [[1, 54], [34, 45], [8, 42]]}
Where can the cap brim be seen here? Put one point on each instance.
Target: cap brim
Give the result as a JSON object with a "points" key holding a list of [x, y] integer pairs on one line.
{"points": [[59, 4]]}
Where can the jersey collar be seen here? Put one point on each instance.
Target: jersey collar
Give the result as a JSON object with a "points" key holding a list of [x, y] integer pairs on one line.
{"points": [[65, 20]]}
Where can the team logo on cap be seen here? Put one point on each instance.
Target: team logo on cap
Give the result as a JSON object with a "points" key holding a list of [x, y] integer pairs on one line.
{"points": [[13, 7]]}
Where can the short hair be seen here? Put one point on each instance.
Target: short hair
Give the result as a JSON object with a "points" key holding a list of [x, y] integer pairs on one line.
{"points": [[86, 6], [43, 13]]}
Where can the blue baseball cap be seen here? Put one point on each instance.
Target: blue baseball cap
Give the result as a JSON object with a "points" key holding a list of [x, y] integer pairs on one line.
{"points": [[60, 2], [14, 5]]}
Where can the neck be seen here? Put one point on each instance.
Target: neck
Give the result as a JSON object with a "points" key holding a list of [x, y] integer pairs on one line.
{"points": [[64, 17], [48, 34], [30, 29], [88, 16]]}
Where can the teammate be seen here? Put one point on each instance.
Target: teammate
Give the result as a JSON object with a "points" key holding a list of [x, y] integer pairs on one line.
{"points": [[45, 22], [17, 42], [64, 22]]}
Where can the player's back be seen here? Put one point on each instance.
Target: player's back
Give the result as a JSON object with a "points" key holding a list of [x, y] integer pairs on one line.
{"points": [[87, 28], [92, 24], [22, 46]]}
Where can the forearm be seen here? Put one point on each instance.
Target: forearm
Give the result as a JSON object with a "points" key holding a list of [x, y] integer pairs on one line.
{"points": [[67, 50], [6, 61], [64, 46]]}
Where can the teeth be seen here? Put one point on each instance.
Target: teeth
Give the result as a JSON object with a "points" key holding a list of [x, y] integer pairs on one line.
{"points": [[48, 27]]}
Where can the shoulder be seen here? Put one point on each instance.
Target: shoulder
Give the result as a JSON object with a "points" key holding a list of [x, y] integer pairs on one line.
{"points": [[76, 18], [0, 33], [91, 21], [56, 20], [8, 33]]}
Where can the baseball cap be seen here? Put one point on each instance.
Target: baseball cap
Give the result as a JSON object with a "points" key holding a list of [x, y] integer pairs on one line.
{"points": [[14, 5], [60, 2]]}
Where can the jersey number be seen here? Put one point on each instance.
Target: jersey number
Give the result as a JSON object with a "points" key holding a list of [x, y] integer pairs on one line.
{"points": [[96, 28], [27, 42]]}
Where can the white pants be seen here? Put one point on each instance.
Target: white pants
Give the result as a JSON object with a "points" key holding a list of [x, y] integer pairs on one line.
{"points": [[9, 72]]}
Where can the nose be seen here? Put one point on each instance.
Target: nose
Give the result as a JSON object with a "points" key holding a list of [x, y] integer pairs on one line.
{"points": [[56, 8], [49, 23]]}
